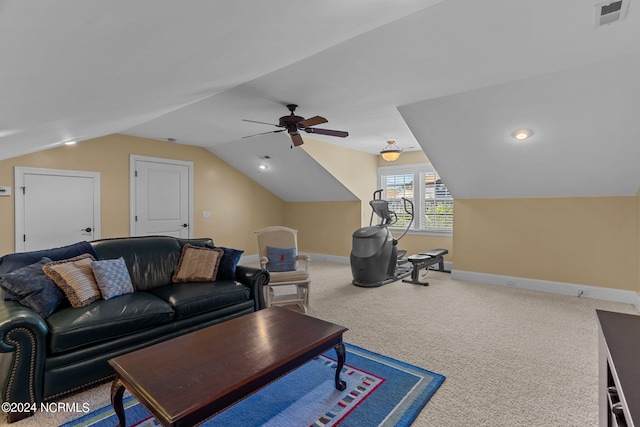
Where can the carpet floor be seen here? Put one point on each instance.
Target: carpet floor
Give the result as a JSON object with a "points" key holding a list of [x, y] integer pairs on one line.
{"points": [[512, 357]]}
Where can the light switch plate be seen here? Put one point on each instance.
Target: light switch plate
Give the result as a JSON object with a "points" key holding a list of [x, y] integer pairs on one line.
{"points": [[5, 191]]}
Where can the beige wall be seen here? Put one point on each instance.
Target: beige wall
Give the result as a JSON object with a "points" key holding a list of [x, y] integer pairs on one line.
{"points": [[591, 241], [579, 240], [359, 173], [238, 205], [356, 170], [324, 227]]}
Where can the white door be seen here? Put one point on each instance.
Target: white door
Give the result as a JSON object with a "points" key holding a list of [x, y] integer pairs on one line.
{"points": [[55, 207], [161, 193]]}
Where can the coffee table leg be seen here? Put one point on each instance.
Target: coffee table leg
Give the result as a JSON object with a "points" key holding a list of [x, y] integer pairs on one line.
{"points": [[117, 391], [342, 355]]}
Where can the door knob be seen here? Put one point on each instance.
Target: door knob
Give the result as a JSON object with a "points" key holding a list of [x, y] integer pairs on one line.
{"points": [[185, 225], [88, 229]]}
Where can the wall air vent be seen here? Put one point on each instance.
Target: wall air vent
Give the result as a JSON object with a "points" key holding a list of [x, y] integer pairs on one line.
{"points": [[608, 13]]}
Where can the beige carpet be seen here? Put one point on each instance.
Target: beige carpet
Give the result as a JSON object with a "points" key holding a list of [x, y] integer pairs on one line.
{"points": [[511, 357]]}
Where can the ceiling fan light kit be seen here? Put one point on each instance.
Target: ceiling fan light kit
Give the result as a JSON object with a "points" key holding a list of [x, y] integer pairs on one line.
{"points": [[391, 152], [293, 124]]}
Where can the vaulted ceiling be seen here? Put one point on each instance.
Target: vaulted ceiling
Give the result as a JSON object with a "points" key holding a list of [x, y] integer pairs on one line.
{"points": [[453, 78]]}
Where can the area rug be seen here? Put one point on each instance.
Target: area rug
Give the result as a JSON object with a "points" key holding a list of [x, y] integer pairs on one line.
{"points": [[381, 391]]}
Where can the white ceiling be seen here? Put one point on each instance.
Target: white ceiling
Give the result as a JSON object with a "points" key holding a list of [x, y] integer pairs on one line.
{"points": [[453, 77]]}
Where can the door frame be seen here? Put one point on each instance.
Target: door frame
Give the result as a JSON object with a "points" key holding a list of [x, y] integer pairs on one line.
{"points": [[133, 158], [20, 172]]}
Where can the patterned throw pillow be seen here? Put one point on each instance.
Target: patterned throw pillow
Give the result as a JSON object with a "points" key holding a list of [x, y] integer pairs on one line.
{"points": [[197, 264], [112, 277], [75, 277], [281, 259], [33, 289]]}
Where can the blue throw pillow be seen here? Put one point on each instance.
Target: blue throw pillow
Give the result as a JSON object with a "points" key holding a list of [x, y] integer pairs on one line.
{"points": [[33, 289], [281, 259], [227, 267], [112, 277], [12, 262]]}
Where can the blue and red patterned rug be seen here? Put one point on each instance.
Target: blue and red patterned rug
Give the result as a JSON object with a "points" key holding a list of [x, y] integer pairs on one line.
{"points": [[381, 391]]}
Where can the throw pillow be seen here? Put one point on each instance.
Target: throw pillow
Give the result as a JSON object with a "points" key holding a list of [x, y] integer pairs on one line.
{"points": [[197, 264], [11, 262], [112, 277], [228, 263], [75, 277], [281, 259], [33, 289]]}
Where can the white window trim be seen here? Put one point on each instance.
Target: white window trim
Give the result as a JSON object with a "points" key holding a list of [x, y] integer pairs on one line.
{"points": [[415, 169]]}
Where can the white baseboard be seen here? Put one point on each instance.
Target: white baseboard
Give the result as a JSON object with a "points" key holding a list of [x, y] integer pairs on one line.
{"points": [[251, 259], [328, 258], [585, 291]]}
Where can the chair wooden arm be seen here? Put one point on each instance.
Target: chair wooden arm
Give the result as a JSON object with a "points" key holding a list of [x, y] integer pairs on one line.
{"points": [[306, 259]]}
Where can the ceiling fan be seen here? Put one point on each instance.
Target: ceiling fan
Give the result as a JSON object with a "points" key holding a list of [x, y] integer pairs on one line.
{"points": [[294, 124]]}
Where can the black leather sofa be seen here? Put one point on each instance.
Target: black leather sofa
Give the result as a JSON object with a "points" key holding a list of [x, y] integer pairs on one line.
{"points": [[44, 359]]}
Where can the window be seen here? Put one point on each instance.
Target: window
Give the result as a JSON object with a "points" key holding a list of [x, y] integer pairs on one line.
{"points": [[421, 184]]}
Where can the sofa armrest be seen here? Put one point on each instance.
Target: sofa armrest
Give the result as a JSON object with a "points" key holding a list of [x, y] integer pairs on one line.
{"points": [[255, 279], [23, 338]]}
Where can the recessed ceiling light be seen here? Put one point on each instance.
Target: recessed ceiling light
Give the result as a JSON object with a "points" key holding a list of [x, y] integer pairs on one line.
{"points": [[263, 167], [72, 142], [521, 134]]}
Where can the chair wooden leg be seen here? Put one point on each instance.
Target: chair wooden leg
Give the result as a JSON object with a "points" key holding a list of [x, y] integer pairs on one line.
{"points": [[268, 295], [304, 295]]}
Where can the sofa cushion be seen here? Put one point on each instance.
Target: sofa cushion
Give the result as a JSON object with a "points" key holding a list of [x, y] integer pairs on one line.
{"points": [[197, 264], [112, 277], [33, 288], [106, 319], [191, 298], [75, 277], [151, 260]]}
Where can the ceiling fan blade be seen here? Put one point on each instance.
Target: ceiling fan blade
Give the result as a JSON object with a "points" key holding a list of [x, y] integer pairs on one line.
{"points": [[263, 123], [263, 133], [312, 121], [338, 133], [296, 138]]}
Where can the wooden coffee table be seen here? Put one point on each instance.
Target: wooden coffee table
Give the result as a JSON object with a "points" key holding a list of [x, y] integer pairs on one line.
{"points": [[188, 379]]}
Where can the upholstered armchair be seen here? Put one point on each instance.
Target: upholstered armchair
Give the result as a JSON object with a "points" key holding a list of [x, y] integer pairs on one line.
{"points": [[278, 251]]}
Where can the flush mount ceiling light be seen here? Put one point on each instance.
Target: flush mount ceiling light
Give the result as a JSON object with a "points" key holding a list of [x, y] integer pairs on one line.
{"points": [[391, 152], [521, 134]]}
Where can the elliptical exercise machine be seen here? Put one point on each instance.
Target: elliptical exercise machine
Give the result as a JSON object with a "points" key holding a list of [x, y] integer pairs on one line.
{"points": [[375, 259]]}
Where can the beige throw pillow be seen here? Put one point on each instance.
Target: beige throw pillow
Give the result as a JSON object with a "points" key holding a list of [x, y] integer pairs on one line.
{"points": [[197, 264], [75, 277]]}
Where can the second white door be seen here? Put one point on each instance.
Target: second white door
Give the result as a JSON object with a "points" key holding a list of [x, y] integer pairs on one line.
{"points": [[161, 197]]}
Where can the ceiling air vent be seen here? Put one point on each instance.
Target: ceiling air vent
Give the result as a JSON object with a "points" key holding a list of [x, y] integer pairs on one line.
{"points": [[608, 13]]}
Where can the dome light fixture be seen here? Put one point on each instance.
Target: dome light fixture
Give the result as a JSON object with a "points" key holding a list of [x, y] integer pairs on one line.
{"points": [[391, 152], [521, 134]]}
